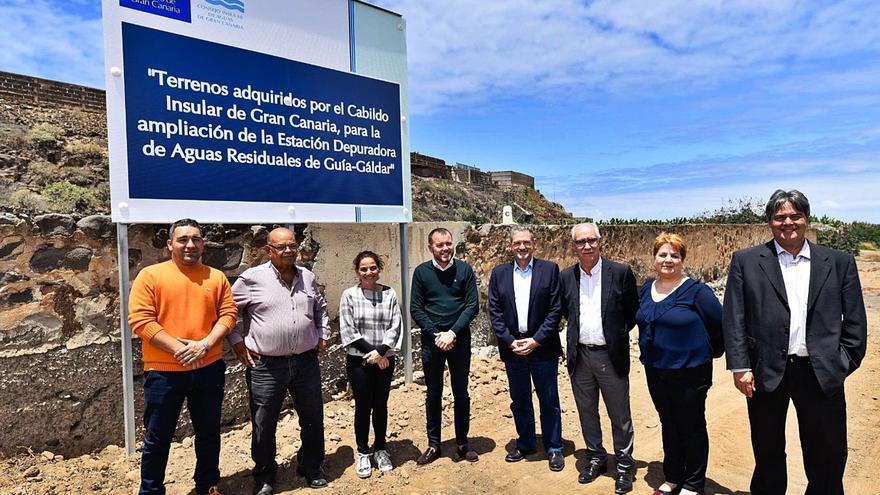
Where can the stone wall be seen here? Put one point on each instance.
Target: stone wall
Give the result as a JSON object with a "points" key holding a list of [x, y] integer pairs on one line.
{"points": [[36, 91], [428, 166], [59, 319]]}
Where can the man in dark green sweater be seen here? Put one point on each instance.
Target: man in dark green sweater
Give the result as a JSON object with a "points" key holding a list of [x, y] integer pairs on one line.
{"points": [[444, 302]]}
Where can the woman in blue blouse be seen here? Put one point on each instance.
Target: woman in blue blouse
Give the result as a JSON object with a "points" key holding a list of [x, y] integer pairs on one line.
{"points": [[679, 334]]}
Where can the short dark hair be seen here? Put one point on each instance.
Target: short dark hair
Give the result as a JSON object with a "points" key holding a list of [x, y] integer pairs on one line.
{"points": [[183, 222], [779, 198], [438, 230], [522, 228], [368, 254]]}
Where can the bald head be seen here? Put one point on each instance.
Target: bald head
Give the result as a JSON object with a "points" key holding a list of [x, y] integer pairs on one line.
{"points": [[282, 249], [281, 235]]}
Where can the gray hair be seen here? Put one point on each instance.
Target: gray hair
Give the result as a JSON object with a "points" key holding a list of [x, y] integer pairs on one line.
{"points": [[585, 224], [522, 228], [779, 198]]}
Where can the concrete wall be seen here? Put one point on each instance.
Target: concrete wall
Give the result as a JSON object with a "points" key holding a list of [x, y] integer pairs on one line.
{"points": [[59, 338], [509, 178]]}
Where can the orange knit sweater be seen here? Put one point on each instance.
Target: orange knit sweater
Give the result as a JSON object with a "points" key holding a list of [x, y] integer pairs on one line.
{"points": [[184, 302]]}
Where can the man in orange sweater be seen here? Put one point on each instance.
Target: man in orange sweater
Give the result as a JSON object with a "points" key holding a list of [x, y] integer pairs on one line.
{"points": [[182, 310]]}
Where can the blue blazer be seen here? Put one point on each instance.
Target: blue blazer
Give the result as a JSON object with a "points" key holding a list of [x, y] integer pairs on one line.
{"points": [[544, 309]]}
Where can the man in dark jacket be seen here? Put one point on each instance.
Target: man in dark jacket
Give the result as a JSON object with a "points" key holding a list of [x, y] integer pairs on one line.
{"points": [[524, 310], [600, 301], [794, 328]]}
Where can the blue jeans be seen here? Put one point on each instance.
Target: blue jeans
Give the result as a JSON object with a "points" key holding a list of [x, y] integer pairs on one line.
{"points": [[521, 372], [164, 393]]}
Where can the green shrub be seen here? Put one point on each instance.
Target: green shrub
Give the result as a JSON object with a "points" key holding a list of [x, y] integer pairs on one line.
{"points": [[45, 133], [86, 149], [27, 200], [838, 237], [67, 197]]}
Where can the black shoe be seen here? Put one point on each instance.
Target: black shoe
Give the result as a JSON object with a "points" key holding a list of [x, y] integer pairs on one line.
{"points": [[467, 454], [263, 489], [556, 461], [593, 471], [313, 481], [518, 454], [624, 482], [430, 455]]}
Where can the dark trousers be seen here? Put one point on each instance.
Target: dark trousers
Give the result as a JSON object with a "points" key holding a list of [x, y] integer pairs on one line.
{"points": [[822, 428], [433, 364], [269, 381], [371, 387], [521, 372], [593, 376], [679, 396], [164, 393]]}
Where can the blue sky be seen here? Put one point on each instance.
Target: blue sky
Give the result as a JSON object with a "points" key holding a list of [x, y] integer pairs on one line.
{"points": [[619, 108]]}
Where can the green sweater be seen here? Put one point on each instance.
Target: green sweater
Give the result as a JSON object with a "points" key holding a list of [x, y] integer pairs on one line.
{"points": [[444, 300]]}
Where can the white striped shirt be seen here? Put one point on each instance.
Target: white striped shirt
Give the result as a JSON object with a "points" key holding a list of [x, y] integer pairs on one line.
{"points": [[372, 315], [796, 276], [279, 320]]}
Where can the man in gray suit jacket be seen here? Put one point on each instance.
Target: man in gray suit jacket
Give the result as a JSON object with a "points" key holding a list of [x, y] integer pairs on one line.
{"points": [[600, 301], [794, 329]]}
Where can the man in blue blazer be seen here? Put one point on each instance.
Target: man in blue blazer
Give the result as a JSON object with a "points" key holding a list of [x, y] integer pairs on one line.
{"points": [[524, 310], [794, 328], [599, 300]]}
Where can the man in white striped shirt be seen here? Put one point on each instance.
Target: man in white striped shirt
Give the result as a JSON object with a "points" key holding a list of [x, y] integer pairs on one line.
{"points": [[285, 327]]}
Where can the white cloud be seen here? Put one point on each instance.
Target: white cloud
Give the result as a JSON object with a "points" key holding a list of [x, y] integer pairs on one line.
{"points": [[467, 53], [55, 40], [843, 187]]}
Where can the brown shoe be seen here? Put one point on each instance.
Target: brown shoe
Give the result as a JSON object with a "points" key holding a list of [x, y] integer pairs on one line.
{"points": [[468, 454], [428, 456]]}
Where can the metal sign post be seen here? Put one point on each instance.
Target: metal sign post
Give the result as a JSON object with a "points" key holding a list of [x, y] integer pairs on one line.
{"points": [[404, 300], [125, 337]]}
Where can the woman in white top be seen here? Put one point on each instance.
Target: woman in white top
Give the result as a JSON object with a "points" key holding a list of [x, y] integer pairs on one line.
{"points": [[371, 331]]}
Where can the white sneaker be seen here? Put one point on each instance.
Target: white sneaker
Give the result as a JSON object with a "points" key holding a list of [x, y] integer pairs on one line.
{"points": [[383, 461], [363, 467]]}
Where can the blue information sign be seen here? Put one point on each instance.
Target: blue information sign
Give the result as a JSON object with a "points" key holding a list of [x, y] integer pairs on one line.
{"points": [[210, 122]]}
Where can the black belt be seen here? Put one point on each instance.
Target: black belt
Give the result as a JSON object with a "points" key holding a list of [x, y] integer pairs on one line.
{"points": [[795, 359], [591, 347], [288, 356]]}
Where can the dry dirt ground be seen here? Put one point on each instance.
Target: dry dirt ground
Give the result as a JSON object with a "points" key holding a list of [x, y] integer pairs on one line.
{"points": [[730, 461]]}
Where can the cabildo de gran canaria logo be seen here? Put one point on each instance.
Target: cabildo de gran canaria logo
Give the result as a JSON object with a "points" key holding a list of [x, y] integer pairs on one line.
{"points": [[173, 9], [228, 4]]}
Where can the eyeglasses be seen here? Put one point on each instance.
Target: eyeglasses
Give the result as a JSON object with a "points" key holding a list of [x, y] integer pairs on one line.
{"points": [[284, 247], [592, 241]]}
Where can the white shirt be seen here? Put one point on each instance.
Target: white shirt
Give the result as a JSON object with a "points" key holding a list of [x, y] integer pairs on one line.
{"points": [[590, 314], [443, 268], [796, 276], [522, 285]]}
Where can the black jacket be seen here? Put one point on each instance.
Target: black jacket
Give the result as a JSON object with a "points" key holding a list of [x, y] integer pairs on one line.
{"points": [[756, 316], [620, 301]]}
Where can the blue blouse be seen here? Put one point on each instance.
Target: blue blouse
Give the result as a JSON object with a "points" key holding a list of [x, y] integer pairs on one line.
{"points": [[681, 331]]}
